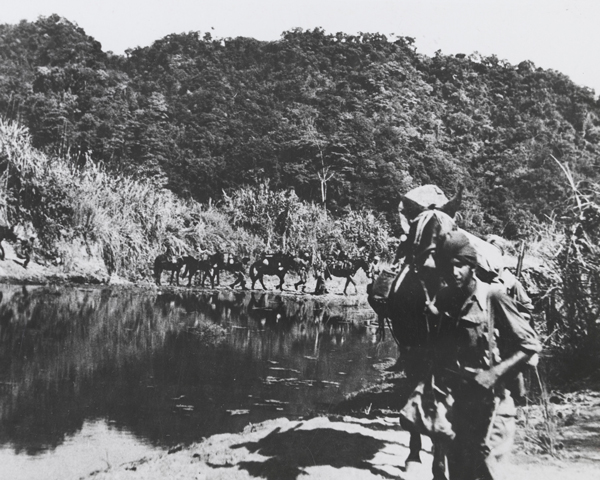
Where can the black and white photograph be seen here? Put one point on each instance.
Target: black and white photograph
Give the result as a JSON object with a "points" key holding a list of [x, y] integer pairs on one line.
{"points": [[300, 240]]}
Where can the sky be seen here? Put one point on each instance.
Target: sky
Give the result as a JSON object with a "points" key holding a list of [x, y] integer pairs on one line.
{"points": [[562, 35]]}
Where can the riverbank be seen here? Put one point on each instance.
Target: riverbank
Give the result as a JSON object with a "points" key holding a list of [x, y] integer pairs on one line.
{"points": [[86, 269], [361, 438]]}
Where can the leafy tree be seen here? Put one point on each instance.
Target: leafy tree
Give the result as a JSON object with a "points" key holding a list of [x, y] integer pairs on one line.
{"points": [[348, 121]]}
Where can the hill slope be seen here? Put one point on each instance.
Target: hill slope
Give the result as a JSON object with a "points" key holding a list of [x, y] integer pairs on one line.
{"points": [[355, 120]]}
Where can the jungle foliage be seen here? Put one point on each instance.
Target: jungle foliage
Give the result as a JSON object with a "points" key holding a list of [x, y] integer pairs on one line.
{"points": [[86, 212], [348, 121]]}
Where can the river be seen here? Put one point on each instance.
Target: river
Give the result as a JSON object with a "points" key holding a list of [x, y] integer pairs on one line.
{"points": [[91, 377]]}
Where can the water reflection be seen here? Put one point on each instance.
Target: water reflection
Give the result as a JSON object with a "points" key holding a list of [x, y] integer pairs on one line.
{"points": [[173, 367]]}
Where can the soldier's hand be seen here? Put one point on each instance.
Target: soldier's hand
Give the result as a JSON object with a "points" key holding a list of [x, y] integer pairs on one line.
{"points": [[486, 378], [430, 308]]}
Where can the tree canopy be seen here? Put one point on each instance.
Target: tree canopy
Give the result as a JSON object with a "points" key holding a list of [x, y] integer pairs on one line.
{"points": [[351, 121]]}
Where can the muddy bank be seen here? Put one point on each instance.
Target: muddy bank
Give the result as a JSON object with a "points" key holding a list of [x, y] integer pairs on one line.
{"points": [[344, 447]]}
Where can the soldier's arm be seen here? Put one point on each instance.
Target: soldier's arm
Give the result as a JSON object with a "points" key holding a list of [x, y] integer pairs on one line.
{"points": [[489, 378], [515, 329]]}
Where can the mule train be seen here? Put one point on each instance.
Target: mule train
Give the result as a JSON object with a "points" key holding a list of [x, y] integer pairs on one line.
{"points": [[207, 266]]}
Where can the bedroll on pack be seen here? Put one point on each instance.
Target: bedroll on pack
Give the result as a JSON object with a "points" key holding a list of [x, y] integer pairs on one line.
{"points": [[383, 284]]}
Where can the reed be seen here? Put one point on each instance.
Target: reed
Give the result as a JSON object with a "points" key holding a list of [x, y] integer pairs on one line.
{"points": [[542, 423]]}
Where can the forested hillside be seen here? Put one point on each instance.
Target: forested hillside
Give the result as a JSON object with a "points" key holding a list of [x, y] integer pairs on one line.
{"points": [[352, 121]]}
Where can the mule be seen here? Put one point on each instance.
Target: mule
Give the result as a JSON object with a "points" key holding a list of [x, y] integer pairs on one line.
{"points": [[277, 264], [346, 269], [377, 292], [164, 263], [408, 303], [202, 266], [226, 261], [6, 233]]}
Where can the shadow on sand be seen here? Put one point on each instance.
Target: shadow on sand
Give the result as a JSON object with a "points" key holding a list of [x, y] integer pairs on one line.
{"points": [[293, 450]]}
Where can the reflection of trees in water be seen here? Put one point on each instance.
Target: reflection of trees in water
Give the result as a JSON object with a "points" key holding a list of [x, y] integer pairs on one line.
{"points": [[61, 348], [67, 355], [290, 327]]}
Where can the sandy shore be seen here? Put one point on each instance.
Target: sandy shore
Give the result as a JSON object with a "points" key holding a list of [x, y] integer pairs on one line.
{"points": [[322, 448]]}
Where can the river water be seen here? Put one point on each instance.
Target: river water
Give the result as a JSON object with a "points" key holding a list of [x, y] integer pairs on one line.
{"points": [[91, 377]]}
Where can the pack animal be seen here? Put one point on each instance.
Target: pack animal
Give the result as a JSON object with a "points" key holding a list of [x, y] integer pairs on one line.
{"points": [[277, 264], [346, 269], [202, 266], [226, 262], [162, 263], [411, 291]]}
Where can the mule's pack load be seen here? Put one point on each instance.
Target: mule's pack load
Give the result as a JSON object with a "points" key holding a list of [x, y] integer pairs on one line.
{"points": [[380, 290], [490, 260], [426, 196], [383, 283]]}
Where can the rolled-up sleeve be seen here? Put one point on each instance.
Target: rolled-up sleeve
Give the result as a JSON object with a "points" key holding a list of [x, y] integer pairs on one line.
{"points": [[517, 331]]}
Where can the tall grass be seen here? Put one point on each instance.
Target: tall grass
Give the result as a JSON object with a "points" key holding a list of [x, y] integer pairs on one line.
{"points": [[124, 221], [542, 429], [568, 279], [286, 223], [82, 213]]}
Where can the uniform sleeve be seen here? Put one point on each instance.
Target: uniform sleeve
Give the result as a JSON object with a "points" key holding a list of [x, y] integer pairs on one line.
{"points": [[522, 297], [515, 331], [515, 289]]}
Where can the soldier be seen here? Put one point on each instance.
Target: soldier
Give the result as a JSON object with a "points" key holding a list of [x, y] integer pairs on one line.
{"points": [[486, 340], [26, 250], [513, 285], [240, 279], [303, 266]]}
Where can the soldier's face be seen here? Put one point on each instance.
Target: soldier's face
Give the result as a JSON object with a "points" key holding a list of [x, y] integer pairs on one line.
{"points": [[462, 273]]}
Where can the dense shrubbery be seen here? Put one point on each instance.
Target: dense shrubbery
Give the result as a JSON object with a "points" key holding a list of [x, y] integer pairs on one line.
{"points": [[287, 223], [127, 222], [570, 285]]}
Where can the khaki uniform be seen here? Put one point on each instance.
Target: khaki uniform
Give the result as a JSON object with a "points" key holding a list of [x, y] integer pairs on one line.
{"points": [[483, 420]]}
